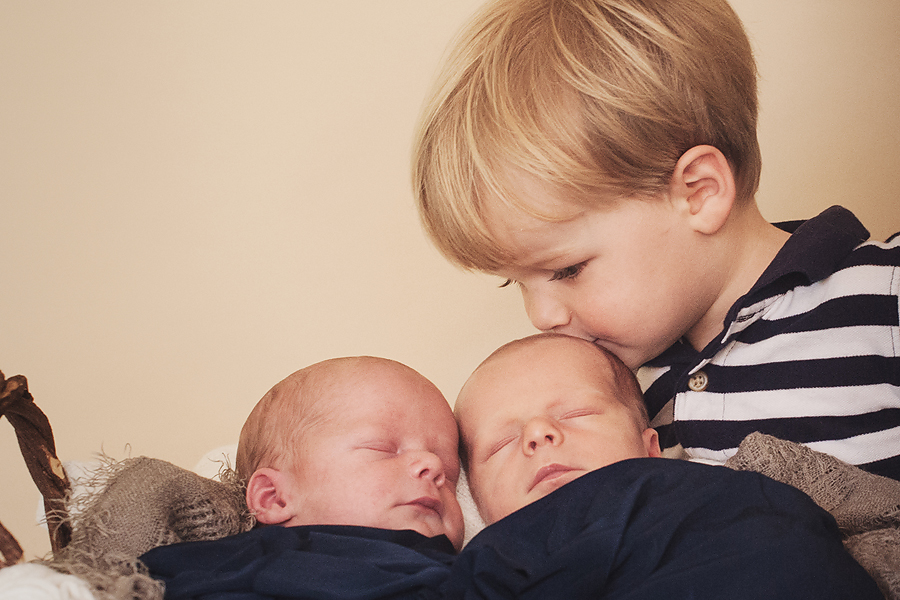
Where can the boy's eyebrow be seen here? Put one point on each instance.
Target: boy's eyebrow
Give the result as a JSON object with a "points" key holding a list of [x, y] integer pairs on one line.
{"points": [[549, 262], [548, 258]]}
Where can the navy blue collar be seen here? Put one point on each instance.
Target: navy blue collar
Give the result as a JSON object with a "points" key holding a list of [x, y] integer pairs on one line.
{"points": [[813, 252]]}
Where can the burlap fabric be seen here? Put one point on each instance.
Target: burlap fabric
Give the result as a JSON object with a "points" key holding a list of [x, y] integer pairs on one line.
{"points": [[865, 506], [145, 503]]}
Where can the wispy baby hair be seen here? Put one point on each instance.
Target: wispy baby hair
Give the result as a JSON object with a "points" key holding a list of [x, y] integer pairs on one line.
{"points": [[273, 432]]}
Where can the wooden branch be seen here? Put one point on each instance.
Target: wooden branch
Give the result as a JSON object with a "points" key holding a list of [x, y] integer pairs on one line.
{"points": [[35, 438], [10, 550]]}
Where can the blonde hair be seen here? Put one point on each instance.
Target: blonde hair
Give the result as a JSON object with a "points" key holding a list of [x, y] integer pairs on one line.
{"points": [[599, 98]]}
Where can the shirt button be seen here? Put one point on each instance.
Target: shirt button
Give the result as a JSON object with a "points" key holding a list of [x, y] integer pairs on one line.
{"points": [[698, 381]]}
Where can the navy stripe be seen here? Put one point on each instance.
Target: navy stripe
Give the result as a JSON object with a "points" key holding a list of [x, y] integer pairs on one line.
{"points": [[721, 435], [667, 437], [819, 248], [889, 467], [660, 392], [846, 371], [848, 311], [872, 256]]}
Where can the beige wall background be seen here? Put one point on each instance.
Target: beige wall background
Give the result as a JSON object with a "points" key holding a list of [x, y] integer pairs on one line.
{"points": [[198, 198]]}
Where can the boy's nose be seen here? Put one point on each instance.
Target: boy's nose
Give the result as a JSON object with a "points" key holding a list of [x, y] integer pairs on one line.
{"points": [[544, 310], [540, 432], [424, 464]]}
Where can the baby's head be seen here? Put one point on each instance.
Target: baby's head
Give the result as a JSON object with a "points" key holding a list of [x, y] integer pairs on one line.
{"points": [[353, 441], [595, 99], [542, 411]]}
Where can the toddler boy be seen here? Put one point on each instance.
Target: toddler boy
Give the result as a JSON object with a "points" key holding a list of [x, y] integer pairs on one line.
{"points": [[562, 466], [602, 155], [356, 459]]}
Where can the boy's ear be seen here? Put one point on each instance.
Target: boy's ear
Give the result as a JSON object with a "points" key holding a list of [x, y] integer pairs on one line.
{"points": [[704, 181], [266, 497]]}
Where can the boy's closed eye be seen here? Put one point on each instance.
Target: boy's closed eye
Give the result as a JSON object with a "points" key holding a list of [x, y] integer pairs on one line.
{"points": [[570, 272], [566, 273]]}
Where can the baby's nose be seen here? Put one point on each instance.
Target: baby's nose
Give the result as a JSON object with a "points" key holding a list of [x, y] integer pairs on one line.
{"points": [[540, 431], [426, 464]]}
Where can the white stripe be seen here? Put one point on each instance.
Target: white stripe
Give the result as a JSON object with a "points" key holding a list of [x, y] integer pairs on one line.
{"points": [[857, 450], [864, 279], [886, 246], [647, 375], [861, 449], [779, 404], [709, 457], [699, 406], [703, 461], [808, 345]]}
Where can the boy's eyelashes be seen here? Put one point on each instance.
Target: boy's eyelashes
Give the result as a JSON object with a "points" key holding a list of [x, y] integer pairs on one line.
{"points": [[570, 272]]}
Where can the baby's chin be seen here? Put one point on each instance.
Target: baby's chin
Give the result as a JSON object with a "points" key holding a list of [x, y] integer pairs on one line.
{"points": [[431, 526], [545, 487]]}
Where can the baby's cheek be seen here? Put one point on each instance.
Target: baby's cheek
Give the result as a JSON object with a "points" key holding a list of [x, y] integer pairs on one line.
{"points": [[484, 489]]}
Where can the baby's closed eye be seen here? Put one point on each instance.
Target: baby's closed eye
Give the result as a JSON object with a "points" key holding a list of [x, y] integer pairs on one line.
{"points": [[381, 447], [585, 412], [497, 446]]}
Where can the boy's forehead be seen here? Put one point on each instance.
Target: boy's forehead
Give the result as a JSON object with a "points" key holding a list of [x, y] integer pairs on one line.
{"points": [[543, 229], [530, 241], [526, 199]]}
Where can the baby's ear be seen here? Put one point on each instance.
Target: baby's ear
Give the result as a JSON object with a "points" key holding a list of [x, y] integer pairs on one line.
{"points": [[266, 497], [651, 443], [703, 180]]}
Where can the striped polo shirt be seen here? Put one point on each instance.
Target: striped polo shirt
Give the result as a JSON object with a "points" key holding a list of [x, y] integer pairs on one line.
{"points": [[810, 354]]}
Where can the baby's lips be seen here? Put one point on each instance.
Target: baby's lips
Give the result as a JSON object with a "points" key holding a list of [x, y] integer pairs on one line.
{"points": [[429, 503], [548, 472]]}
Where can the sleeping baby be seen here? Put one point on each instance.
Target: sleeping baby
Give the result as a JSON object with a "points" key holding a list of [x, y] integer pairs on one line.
{"points": [[356, 460], [564, 469]]}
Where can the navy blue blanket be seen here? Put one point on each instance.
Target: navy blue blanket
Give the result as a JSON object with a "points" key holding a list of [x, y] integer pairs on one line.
{"points": [[643, 529], [652, 529], [318, 561]]}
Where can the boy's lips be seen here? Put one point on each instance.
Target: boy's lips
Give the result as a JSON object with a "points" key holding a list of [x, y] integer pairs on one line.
{"points": [[548, 472]]}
